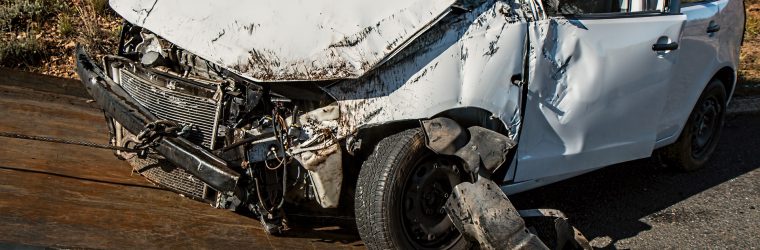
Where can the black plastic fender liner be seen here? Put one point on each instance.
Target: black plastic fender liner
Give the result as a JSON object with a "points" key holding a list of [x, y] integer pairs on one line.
{"points": [[481, 149], [118, 104]]}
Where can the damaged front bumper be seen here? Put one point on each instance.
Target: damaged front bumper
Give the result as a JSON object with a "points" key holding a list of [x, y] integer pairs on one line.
{"points": [[116, 103], [484, 215]]}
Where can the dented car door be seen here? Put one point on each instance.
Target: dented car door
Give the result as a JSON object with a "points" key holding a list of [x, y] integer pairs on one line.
{"points": [[597, 86]]}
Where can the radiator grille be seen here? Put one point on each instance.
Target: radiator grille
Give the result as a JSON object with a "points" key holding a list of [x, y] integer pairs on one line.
{"points": [[169, 176], [188, 110]]}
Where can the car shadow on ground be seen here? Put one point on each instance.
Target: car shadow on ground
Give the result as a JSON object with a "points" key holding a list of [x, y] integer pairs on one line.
{"points": [[747, 87], [612, 201]]}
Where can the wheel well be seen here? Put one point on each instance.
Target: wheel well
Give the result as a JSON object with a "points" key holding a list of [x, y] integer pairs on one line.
{"points": [[466, 117], [728, 77], [469, 116]]}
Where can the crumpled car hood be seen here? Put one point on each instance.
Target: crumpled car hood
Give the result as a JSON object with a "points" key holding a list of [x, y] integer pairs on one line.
{"points": [[288, 40]]}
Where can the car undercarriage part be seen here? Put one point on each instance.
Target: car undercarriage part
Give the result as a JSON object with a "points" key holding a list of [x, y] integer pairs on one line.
{"points": [[484, 214], [322, 156]]}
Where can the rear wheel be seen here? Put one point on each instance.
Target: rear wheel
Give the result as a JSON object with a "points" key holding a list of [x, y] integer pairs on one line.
{"points": [[400, 195], [701, 133]]}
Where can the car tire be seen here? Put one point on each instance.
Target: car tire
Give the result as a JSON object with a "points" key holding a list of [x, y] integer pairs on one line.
{"points": [[701, 134], [388, 213]]}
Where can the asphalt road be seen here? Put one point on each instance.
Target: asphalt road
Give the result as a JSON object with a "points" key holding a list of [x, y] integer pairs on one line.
{"points": [[70, 196], [642, 205]]}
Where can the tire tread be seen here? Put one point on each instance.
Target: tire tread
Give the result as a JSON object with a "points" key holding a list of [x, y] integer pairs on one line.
{"points": [[377, 172]]}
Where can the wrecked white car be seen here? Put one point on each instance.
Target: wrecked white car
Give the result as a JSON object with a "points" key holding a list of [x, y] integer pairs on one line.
{"points": [[379, 109]]}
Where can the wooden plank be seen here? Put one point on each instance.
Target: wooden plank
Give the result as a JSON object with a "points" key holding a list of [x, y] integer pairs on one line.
{"points": [[40, 82]]}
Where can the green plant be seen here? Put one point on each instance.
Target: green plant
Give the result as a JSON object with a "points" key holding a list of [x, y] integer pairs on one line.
{"points": [[25, 51], [18, 15], [65, 26]]}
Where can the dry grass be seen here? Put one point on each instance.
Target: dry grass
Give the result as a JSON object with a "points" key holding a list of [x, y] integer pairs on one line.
{"points": [[40, 35], [26, 51], [65, 26], [21, 15], [749, 81]]}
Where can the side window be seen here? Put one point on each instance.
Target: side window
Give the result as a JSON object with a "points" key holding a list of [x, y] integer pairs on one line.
{"points": [[590, 7], [692, 2]]}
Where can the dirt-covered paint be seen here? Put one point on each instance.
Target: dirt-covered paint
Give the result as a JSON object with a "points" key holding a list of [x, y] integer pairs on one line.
{"points": [[288, 41]]}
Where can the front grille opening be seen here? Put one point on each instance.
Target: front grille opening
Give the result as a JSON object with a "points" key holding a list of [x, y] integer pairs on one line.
{"points": [[197, 112], [173, 178]]}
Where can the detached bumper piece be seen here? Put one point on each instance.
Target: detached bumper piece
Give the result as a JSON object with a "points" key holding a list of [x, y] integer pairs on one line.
{"points": [[119, 105], [484, 215]]}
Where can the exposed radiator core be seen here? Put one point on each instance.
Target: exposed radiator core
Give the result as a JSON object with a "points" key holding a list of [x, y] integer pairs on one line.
{"points": [[167, 175], [188, 110]]}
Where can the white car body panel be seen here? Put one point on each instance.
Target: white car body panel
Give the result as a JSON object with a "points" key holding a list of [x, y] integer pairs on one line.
{"points": [[695, 46], [291, 40], [467, 61], [702, 55]]}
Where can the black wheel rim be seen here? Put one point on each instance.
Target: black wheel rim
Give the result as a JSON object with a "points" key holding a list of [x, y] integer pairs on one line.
{"points": [[424, 220], [705, 125]]}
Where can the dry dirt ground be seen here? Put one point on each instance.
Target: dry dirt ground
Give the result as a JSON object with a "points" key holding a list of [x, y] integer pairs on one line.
{"points": [[40, 35]]}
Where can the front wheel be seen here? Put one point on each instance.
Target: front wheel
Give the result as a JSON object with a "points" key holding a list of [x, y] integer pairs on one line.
{"points": [[700, 135], [400, 195]]}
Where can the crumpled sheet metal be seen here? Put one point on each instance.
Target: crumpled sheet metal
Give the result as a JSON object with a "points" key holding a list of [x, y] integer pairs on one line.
{"points": [[287, 40], [486, 149], [481, 149], [444, 135], [321, 155], [326, 171], [484, 214], [466, 60]]}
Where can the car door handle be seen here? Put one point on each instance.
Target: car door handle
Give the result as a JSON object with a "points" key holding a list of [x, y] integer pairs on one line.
{"points": [[665, 46], [714, 27]]}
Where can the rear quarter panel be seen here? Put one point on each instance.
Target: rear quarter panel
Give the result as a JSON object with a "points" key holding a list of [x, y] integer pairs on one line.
{"points": [[702, 56]]}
